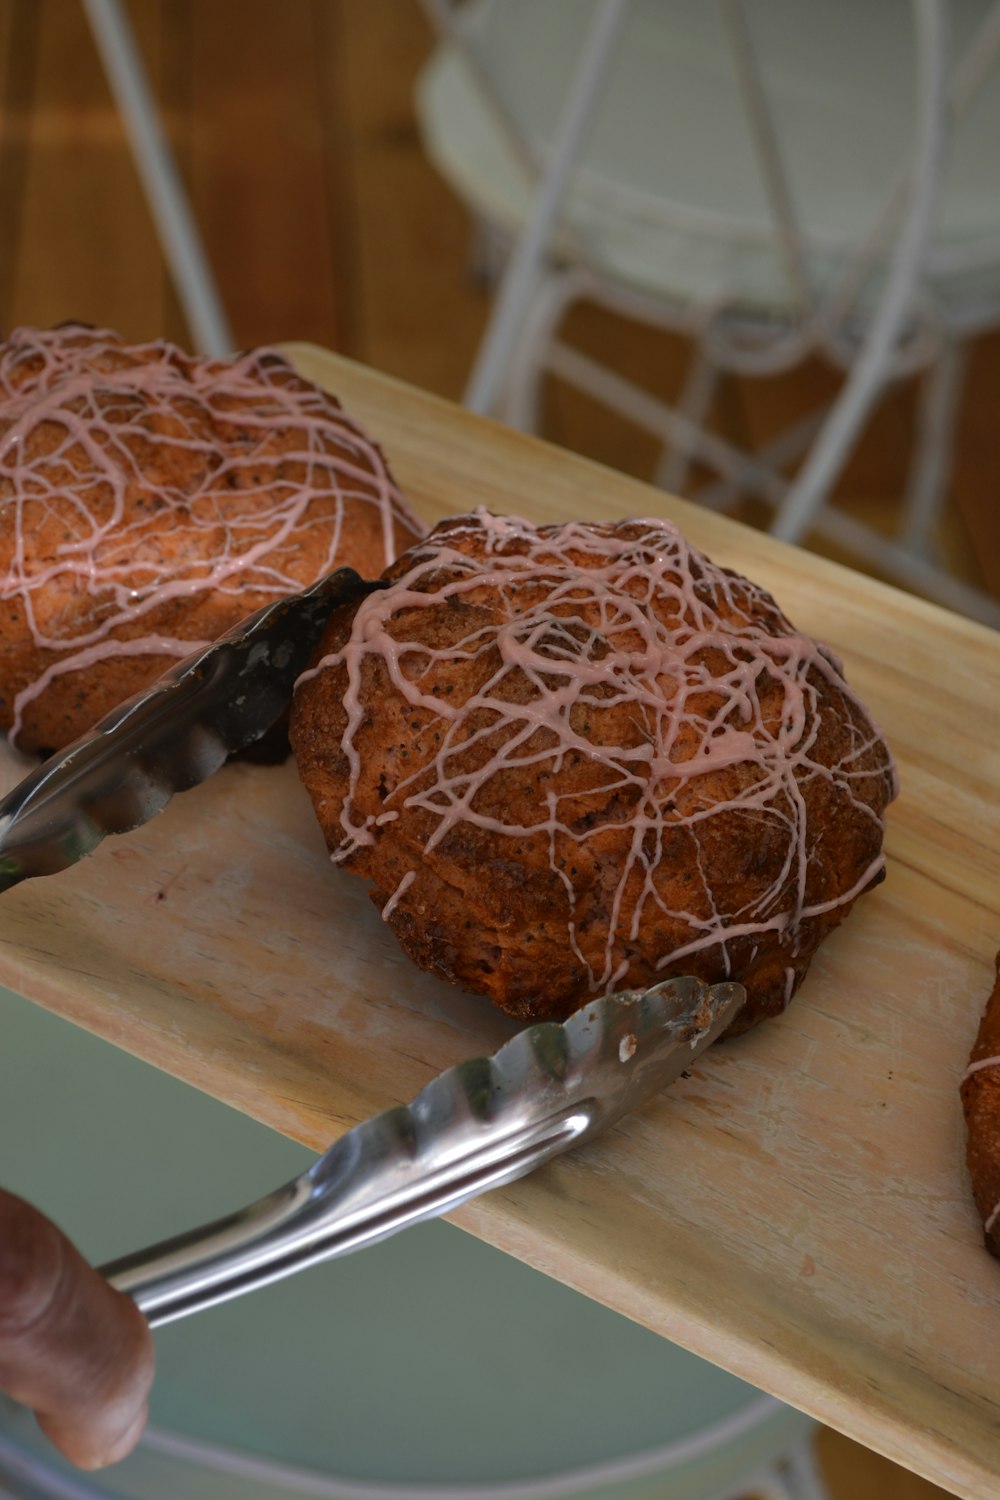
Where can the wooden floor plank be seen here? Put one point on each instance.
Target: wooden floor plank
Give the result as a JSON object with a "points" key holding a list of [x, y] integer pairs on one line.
{"points": [[255, 148], [419, 317], [977, 458], [86, 245], [18, 49]]}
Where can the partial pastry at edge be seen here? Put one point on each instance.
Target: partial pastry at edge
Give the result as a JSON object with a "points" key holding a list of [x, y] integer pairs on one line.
{"points": [[149, 500], [579, 758], [980, 1090]]}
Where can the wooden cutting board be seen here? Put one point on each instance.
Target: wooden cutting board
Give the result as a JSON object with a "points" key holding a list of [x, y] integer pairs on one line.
{"points": [[795, 1210]]}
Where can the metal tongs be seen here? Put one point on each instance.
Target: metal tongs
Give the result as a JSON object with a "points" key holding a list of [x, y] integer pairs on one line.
{"points": [[169, 737], [475, 1127]]}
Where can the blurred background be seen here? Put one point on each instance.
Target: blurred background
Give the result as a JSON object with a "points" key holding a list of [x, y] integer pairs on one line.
{"points": [[295, 131]]}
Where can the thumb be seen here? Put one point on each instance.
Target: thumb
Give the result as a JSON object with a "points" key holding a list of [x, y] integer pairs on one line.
{"points": [[76, 1351]]}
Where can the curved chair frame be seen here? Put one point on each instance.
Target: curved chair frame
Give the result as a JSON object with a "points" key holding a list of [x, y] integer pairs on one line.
{"points": [[792, 1476], [902, 334]]}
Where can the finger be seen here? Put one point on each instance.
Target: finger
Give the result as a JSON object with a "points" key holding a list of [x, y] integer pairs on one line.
{"points": [[72, 1348]]}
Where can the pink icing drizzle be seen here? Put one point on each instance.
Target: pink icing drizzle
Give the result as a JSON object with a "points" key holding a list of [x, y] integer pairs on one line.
{"points": [[977, 1067], [552, 613], [98, 466]]}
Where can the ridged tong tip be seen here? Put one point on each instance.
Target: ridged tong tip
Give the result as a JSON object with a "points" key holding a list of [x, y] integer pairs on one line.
{"points": [[481, 1124]]}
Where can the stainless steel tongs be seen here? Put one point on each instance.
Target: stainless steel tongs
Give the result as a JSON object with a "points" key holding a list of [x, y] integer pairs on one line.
{"points": [[169, 737], [475, 1127]]}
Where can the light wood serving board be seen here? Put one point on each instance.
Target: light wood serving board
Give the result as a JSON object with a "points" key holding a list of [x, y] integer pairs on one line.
{"points": [[796, 1210]]}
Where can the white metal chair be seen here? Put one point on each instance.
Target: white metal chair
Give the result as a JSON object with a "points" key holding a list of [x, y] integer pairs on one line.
{"points": [[776, 178], [430, 1367], [175, 224]]}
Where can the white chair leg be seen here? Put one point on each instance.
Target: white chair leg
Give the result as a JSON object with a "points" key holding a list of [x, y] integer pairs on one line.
{"points": [[519, 403], [488, 249], [905, 568], [154, 161], [869, 372], [490, 371], [700, 384], [789, 445], [932, 461], [637, 405]]}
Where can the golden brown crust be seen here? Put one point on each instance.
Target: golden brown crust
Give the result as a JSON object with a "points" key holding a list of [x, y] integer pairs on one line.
{"points": [[149, 500], [557, 851], [980, 1092]]}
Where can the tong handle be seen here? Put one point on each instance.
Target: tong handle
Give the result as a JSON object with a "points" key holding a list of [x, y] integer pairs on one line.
{"points": [[476, 1126], [317, 1217]]}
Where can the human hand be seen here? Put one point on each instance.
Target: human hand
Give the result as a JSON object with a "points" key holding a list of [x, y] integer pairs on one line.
{"points": [[76, 1351]]}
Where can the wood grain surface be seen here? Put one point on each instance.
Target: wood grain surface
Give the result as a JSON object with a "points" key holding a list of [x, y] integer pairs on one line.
{"points": [[796, 1209]]}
